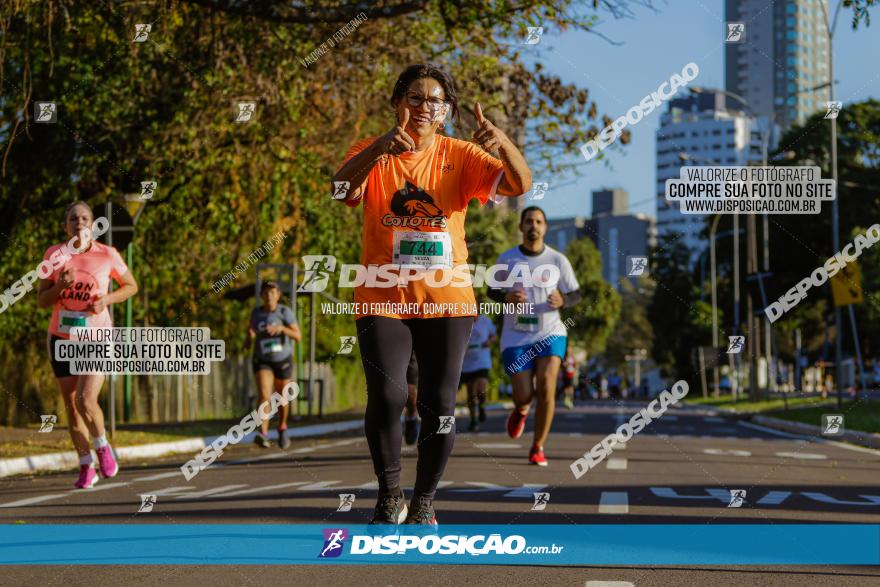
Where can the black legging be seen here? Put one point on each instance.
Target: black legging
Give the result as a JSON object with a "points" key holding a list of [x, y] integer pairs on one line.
{"points": [[386, 345]]}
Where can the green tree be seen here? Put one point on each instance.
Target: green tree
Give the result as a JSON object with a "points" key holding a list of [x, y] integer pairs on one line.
{"points": [[798, 247], [633, 329], [163, 110], [596, 314], [680, 320]]}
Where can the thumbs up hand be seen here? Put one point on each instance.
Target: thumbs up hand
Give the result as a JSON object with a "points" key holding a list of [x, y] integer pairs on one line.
{"points": [[488, 136], [397, 141]]}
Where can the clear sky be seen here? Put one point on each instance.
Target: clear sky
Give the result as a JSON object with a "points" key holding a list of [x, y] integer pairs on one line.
{"points": [[655, 45]]}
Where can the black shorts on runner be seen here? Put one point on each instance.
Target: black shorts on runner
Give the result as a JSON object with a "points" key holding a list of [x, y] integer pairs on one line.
{"points": [[60, 368], [412, 371], [473, 376], [281, 369]]}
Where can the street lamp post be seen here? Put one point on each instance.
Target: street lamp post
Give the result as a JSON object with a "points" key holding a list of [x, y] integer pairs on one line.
{"points": [[835, 228], [753, 322], [684, 157]]}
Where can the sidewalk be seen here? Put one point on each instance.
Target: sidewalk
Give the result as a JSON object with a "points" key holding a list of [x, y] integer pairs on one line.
{"points": [[769, 420], [68, 459]]}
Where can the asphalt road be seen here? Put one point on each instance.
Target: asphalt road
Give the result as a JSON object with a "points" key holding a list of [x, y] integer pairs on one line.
{"points": [[679, 470]]}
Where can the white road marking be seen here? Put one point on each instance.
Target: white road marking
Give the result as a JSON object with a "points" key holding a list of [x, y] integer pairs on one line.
{"points": [[723, 452], [844, 445], [212, 491], [614, 502], [32, 500], [368, 486], [100, 486], [498, 445], [319, 486], [608, 584], [157, 477], [260, 489], [807, 456], [616, 464], [176, 490]]}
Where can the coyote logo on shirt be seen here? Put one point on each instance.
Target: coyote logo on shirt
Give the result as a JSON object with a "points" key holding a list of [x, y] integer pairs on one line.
{"points": [[413, 206]]}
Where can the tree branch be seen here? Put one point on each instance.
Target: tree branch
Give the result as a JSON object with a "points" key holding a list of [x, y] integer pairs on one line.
{"points": [[281, 11]]}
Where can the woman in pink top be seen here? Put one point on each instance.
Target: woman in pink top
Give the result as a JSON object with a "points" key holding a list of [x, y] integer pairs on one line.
{"points": [[77, 292]]}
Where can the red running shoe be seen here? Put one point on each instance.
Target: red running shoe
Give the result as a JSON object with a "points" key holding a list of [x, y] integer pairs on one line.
{"points": [[536, 456], [516, 423]]}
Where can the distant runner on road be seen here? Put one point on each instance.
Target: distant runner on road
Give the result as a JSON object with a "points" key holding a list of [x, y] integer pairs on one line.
{"points": [[271, 327], [533, 345], [475, 369]]}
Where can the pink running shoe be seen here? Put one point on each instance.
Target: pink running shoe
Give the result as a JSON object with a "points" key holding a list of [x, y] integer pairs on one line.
{"points": [[87, 477], [107, 463]]}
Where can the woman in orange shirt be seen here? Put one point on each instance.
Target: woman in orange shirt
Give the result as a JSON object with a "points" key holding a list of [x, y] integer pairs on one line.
{"points": [[415, 186]]}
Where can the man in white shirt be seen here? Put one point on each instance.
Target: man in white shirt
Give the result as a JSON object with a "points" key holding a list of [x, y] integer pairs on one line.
{"points": [[533, 342]]}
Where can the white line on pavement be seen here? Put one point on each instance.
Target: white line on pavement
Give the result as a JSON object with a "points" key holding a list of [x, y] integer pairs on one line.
{"points": [[853, 447], [608, 584], [100, 486], [616, 464], [614, 502], [723, 452], [318, 486], [259, 489], [211, 491], [498, 445], [157, 477], [807, 456], [32, 500]]}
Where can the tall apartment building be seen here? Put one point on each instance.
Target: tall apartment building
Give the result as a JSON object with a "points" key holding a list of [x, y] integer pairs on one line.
{"points": [[783, 56], [701, 128]]}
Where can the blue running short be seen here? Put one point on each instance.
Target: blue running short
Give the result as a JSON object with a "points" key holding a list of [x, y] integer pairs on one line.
{"points": [[522, 358]]}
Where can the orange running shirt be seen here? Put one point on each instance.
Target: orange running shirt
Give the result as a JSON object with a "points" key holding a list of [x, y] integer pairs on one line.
{"points": [[411, 195], [93, 270]]}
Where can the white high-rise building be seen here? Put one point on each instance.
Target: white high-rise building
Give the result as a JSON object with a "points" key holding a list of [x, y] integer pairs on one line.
{"points": [[698, 129]]}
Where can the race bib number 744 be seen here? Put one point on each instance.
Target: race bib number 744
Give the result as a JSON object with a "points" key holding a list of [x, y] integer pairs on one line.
{"points": [[429, 250]]}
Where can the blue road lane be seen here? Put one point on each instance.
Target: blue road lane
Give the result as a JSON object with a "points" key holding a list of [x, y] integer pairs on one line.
{"points": [[631, 544]]}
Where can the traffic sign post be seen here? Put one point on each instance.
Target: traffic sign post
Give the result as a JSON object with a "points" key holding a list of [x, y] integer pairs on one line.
{"points": [[846, 290]]}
